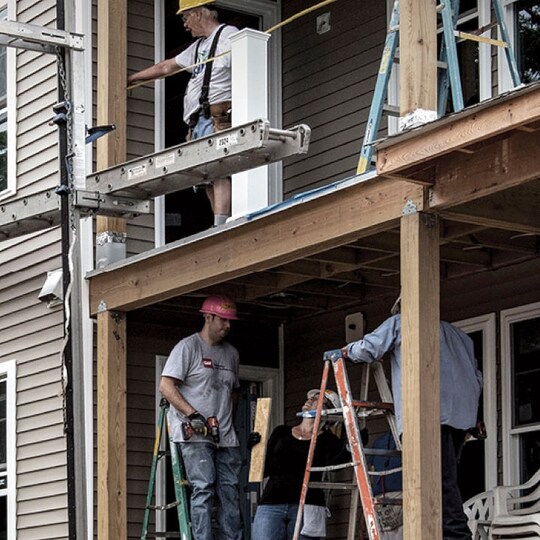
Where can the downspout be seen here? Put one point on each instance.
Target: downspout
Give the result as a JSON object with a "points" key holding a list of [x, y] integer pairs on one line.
{"points": [[67, 354]]}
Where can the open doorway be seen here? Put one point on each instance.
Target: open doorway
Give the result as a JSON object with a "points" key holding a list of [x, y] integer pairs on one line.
{"points": [[188, 212]]}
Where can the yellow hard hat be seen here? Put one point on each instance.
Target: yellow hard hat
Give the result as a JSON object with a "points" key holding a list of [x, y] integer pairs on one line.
{"points": [[184, 5]]}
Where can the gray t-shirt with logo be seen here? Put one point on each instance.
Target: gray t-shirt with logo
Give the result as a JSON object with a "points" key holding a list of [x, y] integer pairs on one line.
{"points": [[206, 377]]}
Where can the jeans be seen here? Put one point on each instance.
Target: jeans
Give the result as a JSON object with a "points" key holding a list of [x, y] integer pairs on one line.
{"points": [[454, 518], [202, 128], [275, 522], [213, 472]]}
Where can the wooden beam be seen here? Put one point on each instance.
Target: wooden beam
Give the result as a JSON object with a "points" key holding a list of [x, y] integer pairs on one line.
{"points": [[111, 363], [502, 165], [420, 377], [262, 426], [513, 210], [297, 231], [417, 56], [111, 427], [459, 131]]}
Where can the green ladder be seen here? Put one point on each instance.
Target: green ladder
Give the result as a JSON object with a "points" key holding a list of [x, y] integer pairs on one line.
{"points": [[449, 76], [180, 503]]}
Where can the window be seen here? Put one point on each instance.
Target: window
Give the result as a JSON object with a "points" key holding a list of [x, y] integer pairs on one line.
{"points": [[523, 18], [521, 401], [7, 451]]}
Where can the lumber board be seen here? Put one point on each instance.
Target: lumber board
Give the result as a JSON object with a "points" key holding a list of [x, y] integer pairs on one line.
{"points": [[507, 163], [417, 56], [295, 231], [421, 377], [258, 452], [111, 426], [459, 131]]}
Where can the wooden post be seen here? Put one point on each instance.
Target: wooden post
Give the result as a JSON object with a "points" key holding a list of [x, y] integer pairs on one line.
{"points": [[111, 427], [111, 363], [417, 56], [421, 377]]}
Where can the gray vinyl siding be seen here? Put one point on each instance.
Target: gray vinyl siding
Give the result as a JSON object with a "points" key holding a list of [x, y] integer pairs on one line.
{"points": [[328, 81], [140, 110]]}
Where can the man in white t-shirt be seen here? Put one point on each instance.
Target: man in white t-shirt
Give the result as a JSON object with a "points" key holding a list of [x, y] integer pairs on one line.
{"points": [[207, 101], [200, 381]]}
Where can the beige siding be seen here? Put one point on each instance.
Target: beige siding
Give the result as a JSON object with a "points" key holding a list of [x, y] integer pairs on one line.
{"points": [[328, 81], [31, 333]]}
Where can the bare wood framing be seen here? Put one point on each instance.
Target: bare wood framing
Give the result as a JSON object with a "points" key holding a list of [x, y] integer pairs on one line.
{"points": [[111, 363], [418, 56], [459, 131], [258, 452], [504, 164], [420, 377], [298, 231], [111, 427]]}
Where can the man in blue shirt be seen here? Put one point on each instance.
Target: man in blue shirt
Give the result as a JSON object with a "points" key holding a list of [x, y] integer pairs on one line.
{"points": [[461, 385]]}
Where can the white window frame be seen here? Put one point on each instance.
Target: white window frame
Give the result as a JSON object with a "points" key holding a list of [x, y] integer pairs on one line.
{"points": [[510, 436], [11, 108], [270, 13], [487, 325], [8, 371]]}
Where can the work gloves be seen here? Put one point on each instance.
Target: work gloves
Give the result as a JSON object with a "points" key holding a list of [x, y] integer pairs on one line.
{"points": [[253, 438]]}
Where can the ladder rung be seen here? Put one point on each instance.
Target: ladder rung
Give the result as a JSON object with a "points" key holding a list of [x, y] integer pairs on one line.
{"points": [[164, 506], [392, 110], [163, 535], [332, 485], [480, 39], [373, 405], [385, 501]]}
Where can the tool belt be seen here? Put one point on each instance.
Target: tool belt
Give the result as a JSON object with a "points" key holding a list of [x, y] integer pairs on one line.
{"points": [[220, 113]]}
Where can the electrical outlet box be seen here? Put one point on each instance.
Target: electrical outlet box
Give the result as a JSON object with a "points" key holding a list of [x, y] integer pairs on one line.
{"points": [[323, 23], [354, 327]]}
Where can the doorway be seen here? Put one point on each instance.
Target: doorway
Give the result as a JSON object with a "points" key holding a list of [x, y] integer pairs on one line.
{"points": [[188, 212]]}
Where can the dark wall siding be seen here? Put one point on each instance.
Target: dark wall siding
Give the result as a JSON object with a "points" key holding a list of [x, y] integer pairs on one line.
{"points": [[328, 81]]}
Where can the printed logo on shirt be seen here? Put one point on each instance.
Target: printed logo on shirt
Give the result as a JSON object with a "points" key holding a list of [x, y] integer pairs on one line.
{"points": [[207, 362]]}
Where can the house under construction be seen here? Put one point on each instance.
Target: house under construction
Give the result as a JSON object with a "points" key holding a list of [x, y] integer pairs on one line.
{"points": [[101, 277]]}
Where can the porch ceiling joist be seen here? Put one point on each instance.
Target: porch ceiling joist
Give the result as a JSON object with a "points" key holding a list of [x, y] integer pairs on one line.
{"points": [[297, 231]]}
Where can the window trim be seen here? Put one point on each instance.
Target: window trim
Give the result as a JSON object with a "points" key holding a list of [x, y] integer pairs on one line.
{"points": [[487, 325], [11, 106], [8, 369], [510, 436]]}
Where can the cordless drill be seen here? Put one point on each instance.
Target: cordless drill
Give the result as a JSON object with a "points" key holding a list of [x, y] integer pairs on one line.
{"points": [[198, 424]]}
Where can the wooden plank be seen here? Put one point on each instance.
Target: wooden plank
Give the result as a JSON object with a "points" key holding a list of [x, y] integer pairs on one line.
{"points": [[111, 368], [417, 56], [258, 452], [513, 210], [504, 164], [420, 377], [459, 131], [294, 232], [111, 427]]}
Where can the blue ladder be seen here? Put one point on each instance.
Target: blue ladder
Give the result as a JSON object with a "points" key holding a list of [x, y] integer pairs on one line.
{"points": [[449, 77]]}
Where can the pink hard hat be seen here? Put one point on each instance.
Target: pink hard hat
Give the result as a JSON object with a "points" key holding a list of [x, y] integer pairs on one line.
{"points": [[222, 306]]}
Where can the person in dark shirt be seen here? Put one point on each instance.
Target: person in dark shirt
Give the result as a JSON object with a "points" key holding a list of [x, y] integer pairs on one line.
{"points": [[285, 464]]}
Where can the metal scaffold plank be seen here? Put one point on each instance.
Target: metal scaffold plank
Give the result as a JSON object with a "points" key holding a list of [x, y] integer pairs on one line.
{"points": [[38, 38], [34, 213], [180, 167]]}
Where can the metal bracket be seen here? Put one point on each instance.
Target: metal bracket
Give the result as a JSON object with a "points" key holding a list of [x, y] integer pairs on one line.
{"points": [[93, 202], [409, 208], [102, 306], [32, 37]]}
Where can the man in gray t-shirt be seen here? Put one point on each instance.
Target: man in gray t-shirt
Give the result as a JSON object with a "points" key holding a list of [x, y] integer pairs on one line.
{"points": [[200, 380]]}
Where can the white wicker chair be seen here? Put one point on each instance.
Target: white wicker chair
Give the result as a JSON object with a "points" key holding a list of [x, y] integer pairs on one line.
{"points": [[479, 512], [516, 511]]}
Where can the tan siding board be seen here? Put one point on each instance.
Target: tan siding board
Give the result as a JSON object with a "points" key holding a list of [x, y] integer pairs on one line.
{"points": [[38, 380], [34, 315], [48, 532], [39, 362], [28, 328], [47, 433], [40, 462], [37, 254], [32, 409], [44, 448], [40, 392], [42, 504], [47, 490], [42, 477], [10, 348], [41, 520], [19, 246]]}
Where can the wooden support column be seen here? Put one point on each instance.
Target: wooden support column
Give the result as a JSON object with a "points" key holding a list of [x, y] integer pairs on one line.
{"points": [[421, 377], [417, 56], [111, 362], [111, 426]]}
